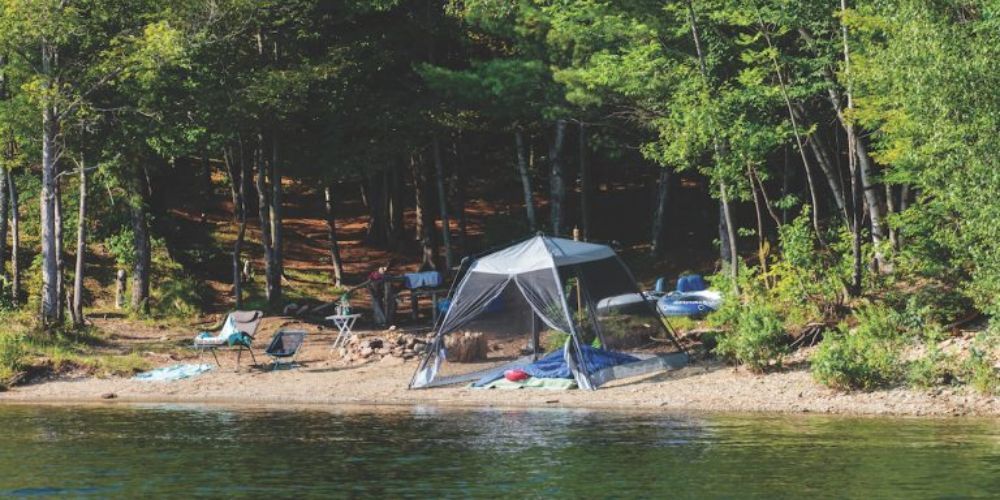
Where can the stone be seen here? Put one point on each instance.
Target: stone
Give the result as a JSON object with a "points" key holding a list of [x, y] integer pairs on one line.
{"points": [[466, 348], [290, 309], [366, 351], [109, 395]]}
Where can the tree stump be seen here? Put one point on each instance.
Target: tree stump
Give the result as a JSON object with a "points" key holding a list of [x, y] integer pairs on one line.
{"points": [[467, 347]]}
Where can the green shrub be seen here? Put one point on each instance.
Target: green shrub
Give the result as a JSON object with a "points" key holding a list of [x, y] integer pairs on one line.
{"points": [[933, 368], [865, 357], [978, 370], [12, 354], [755, 339]]}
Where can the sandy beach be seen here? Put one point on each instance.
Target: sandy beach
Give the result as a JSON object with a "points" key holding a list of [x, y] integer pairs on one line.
{"points": [[324, 379]]}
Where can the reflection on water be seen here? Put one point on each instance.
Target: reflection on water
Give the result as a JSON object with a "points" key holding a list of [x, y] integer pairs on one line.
{"points": [[425, 451]]}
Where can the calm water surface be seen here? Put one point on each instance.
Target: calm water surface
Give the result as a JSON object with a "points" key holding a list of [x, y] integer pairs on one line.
{"points": [[210, 451]]}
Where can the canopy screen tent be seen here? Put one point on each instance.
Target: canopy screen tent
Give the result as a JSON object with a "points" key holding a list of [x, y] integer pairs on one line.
{"points": [[540, 295]]}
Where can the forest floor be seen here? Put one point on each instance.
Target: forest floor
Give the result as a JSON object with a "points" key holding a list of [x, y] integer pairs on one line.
{"points": [[118, 346]]}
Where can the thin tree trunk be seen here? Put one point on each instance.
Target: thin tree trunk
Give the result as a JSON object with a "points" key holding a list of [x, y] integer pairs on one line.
{"points": [[4, 214], [660, 215], [331, 227], [377, 208], [449, 257], [15, 242], [264, 214], [238, 192], [419, 195], [277, 229], [557, 183], [81, 250], [891, 208], [143, 257], [206, 179], [729, 229], [822, 154], [586, 190], [754, 178], [522, 168], [761, 248], [795, 130]]}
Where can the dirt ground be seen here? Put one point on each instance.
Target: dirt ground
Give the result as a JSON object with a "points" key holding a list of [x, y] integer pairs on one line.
{"points": [[323, 379]]}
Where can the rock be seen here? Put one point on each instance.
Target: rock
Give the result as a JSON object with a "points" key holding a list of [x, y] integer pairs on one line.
{"points": [[366, 351], [109, 395], [290, 309], [466, 348], [376, 343]]}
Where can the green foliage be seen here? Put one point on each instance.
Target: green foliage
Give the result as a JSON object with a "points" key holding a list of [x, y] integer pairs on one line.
{"points": [[864, 357], [12, 356], [755, 338], [932, 369], [980, 368]]}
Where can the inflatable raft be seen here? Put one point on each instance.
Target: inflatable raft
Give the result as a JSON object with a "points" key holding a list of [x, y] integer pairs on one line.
{"points": [[697, 303]]}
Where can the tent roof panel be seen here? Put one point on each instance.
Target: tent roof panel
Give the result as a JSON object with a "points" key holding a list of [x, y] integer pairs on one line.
{"points": [[540, 252]]}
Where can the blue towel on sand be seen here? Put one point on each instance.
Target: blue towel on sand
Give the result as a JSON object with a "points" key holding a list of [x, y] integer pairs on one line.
{"points": [[172, 372]]}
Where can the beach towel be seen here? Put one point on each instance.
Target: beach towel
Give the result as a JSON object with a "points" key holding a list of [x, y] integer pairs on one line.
{"points": [[229, 335], [428, 279], [172, 372]]}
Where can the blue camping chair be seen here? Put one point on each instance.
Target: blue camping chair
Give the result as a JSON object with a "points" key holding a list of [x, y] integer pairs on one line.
{"points": [[284, 346]]}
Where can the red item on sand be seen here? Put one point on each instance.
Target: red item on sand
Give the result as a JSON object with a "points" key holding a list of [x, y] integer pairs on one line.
{"points": [[516, 375]]}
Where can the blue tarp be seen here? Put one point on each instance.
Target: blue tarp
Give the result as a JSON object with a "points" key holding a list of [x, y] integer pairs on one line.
{"points": [[554, 365], [427, 279]]}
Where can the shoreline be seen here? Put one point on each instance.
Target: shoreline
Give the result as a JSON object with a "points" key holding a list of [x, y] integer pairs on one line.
{"points": [[706, 387]]}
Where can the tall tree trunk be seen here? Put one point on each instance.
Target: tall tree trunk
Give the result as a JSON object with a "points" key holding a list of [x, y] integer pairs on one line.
{"points": [[522, 169], [206, 179], [4, 214], [425, 222], [891, 208], [277, 227], [586, 189], [264, 214], [143, 253], [238, 191], [377, 208], [397, 228], [60, 255], [727, 231], [557, 183], [449, 257], [866, 170], [854, 156], [331, 227], [15, 242], [50, 129], [459, 184], [81, 249], [660, 214]]}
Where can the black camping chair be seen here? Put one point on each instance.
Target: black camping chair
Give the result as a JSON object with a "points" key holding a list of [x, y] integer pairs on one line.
{"points": [[284, 346]]}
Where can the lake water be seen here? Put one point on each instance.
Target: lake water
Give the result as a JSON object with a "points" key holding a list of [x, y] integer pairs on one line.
{"points": [[427, 452]]}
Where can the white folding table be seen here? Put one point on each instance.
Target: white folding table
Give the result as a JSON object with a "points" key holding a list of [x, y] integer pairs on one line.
{"points": [[344, 323]]}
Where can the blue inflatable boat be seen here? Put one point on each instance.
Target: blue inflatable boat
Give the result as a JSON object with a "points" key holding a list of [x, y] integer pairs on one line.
{"points": [[693, 304]]}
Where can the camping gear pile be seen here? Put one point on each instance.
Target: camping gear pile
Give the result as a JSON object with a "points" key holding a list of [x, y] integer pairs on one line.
{"points": [[541, 297]]}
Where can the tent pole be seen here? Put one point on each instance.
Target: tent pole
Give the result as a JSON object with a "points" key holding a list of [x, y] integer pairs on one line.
{"points": [[534, 336]]}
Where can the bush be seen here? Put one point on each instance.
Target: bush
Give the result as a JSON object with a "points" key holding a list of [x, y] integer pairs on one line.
{"points": [[12, 354], [978, 369], [865, 357], [756, 337], [933, 368]]}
